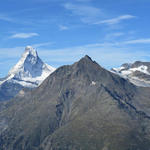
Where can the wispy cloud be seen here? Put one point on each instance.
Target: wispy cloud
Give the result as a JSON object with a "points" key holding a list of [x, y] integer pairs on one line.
{"points": [[4, 17], [82, 10], [15, 18], [24, 35], [101, 52], [92, 15], [138, 41], [13, 52], [86, 13], [42, 44], [117, 34], [114, 35], [115, 20], [62, 27]]}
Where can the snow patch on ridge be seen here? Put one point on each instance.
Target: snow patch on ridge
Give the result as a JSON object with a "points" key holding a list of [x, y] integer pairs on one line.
{"points": [[128, 73], [93, 83]]}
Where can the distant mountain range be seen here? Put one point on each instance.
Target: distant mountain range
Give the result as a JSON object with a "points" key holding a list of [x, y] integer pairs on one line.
{"points": [[138, 73], [29, 72], [78, 107]]}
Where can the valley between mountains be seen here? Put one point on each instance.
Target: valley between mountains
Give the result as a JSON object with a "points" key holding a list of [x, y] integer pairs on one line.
{"points": [[81, 106]]}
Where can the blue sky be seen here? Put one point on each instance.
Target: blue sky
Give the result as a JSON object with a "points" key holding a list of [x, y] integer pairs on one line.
{"points": [[63, 31]]}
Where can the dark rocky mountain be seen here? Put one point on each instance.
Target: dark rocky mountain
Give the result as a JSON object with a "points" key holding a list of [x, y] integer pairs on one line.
{"points": [[8, 90], [78, 107], [138, 73], [29, 72]]}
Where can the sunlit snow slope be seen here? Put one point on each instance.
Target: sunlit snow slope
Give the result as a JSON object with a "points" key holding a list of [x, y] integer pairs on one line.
{"points": [[138, 73], [29, 72]]}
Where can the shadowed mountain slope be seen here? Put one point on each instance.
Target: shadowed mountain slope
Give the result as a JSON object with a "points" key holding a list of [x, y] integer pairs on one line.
{"points": [[82, 106]]}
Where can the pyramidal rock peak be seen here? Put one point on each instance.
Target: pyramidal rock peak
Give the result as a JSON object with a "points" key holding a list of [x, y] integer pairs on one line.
{"points": [[28, 53], [29, 72], [83, 103]]}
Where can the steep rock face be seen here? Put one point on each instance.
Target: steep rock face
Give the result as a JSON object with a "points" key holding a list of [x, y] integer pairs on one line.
{"points": [[29, 72], [138, 73], [82, 106]]}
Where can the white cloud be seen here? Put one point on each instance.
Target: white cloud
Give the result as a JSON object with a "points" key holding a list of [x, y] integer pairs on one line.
{"points": [[138, 41], [10, 52], [5, 18], [82, 10], [62, 27], [42, 44], [106, 54], [24, 35], [92, 15], [117, 34], [115, 20], [114, 35], [87, 13]]}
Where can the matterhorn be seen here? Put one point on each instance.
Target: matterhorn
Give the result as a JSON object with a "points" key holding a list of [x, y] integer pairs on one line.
{"points": [[28, 73]]}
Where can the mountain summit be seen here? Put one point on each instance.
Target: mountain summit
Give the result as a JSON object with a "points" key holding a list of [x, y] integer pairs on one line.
{"points": [[78, 107], [138, 73], [29, 72]]}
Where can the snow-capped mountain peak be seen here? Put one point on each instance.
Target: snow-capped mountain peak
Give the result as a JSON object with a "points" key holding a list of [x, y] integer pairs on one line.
{"points": [[30, 70], [30, 50], [138, 73], [29, 57]]}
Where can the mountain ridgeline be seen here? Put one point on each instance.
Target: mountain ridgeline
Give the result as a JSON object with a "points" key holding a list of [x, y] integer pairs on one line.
{"points": [[138, 73], [78, 107], [28, 73]]}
